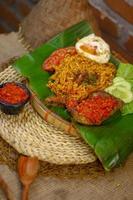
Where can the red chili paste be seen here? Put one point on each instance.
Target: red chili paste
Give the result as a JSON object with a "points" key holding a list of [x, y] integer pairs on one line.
{"points": [[12, 94], [97, 108]]}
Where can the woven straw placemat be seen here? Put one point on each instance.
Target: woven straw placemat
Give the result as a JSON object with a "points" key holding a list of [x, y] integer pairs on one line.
{"points": [[30, 135], [9, 156]]}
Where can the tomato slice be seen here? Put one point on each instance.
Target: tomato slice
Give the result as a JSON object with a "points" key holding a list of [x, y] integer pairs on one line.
{"points": [[57, 57]]}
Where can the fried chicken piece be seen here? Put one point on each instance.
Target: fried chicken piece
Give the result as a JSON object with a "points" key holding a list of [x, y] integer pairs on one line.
{"points": [[95, 109], [57, 57]]}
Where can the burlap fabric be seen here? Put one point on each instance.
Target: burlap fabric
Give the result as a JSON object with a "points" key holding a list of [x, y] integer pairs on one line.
{"points": [[48, 18]]}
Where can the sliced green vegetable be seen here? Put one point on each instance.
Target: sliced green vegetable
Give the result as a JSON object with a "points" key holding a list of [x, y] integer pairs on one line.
{"points": [[121, 93], [118, 79], [126, 71], [121, 89], [120, 82]]}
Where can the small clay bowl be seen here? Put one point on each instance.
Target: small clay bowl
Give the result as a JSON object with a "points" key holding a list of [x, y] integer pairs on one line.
{"points": [[13, 109]]}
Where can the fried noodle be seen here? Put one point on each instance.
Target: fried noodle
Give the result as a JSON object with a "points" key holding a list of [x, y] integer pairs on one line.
{"points": [[72, 78]]}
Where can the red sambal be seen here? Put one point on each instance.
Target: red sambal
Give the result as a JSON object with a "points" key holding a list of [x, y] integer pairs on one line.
{"points": [[12, 93], [57, 57], [95, 109]]}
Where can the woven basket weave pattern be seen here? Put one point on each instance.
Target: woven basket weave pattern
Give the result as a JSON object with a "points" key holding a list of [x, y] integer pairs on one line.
{"points": [[29, 134]]}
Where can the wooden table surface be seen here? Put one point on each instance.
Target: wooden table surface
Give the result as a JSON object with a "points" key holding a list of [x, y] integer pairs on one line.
{"points": [[116, 185]]}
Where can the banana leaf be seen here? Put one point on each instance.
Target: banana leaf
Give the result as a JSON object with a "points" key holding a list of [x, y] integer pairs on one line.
{"points": [[112, 142]]}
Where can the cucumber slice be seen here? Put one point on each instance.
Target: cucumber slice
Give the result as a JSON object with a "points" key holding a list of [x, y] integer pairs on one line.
{"points": [[125, 85], [118, 79], [109, 89], [122, 93], [121, 89]]}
